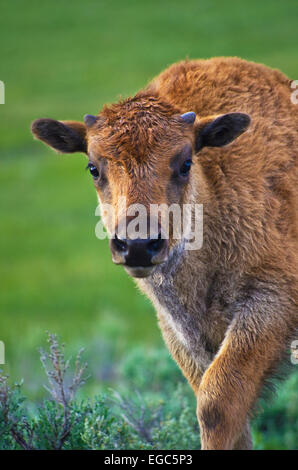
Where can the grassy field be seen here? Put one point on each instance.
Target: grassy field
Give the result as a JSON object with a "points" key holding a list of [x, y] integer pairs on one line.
{"points": [[62, 61]]}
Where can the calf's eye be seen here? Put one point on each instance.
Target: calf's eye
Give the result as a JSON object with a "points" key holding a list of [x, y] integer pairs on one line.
{"points": [[93, 170], [184, 169]]}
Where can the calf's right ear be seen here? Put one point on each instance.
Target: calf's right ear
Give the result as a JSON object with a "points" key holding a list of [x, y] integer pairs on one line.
{"points": [[63, 136]]}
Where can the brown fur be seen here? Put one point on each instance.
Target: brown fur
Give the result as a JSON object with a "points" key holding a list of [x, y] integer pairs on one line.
{"points": [[229, 310]]}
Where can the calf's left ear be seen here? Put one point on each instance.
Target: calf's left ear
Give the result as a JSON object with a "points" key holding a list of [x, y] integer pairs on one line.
{"points": [[63, 136], [220, 131]]}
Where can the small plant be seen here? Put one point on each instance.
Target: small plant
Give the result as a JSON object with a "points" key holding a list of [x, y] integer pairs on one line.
{"points": [[62, 389], [139, 416], [58, 417]]}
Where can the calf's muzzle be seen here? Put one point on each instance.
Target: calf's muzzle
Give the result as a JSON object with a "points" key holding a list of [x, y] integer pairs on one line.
{"points": [[139, 255]]}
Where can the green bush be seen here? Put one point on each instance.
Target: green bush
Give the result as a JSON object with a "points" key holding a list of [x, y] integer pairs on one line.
{"points": [[153, 408], [151, 411]]}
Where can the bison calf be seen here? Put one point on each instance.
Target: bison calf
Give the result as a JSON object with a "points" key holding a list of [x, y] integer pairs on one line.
{"points": [[221, 133]]}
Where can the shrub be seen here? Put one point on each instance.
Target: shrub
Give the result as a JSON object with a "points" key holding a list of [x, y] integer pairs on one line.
{"points": [[153, 408], [149, 419]]}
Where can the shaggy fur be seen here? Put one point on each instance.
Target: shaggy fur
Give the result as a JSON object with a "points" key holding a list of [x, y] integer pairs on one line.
{"points": [[229, 310]]}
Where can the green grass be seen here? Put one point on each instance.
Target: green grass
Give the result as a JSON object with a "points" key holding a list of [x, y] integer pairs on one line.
{"points": [[62, 61]]}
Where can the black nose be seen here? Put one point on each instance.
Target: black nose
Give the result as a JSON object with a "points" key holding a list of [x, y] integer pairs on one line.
{"points": [[139, 252]]}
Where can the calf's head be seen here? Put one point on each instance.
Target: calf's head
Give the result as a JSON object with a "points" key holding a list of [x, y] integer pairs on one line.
{"points": [[140, 155]]}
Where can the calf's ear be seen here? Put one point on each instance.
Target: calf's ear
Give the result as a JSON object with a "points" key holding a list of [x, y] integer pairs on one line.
{"points": [[63, 136], [221, 130]]}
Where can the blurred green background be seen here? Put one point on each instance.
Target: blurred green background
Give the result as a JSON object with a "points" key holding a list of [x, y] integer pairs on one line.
{"points": [[62, 60]]}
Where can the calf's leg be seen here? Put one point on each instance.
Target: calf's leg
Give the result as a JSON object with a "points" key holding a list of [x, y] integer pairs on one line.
{"points": [[254, 344]]}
